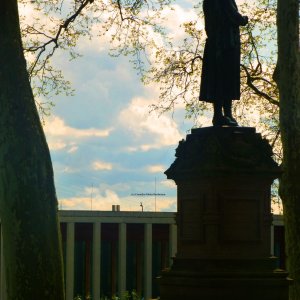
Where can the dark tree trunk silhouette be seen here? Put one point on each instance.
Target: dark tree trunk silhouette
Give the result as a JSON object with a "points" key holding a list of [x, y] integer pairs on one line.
{"points": [[288, 79], [28, 205]]}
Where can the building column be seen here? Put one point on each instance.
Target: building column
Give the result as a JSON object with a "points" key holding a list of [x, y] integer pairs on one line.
{"points": [[70, 261], [148, 261], [272, 240], [122, 259], [2, 278], [96, 260], [172, 242]]}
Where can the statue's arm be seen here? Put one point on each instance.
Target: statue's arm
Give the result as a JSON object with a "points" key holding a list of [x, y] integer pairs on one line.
{"points": [[231, 12]]}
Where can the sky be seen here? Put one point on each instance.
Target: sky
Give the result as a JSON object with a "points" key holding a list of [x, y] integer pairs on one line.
{"points": [[105, 145]]}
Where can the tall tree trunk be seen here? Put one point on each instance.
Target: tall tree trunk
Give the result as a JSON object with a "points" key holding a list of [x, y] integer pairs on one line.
{"points": [[28, 205], [289, 88]]}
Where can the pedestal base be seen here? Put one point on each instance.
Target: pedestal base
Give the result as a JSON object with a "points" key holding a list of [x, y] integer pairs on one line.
{"points": [[223, 280], [223, 177]]}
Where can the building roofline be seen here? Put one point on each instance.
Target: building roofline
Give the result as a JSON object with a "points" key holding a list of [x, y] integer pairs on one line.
{"points": [[86, 216]]}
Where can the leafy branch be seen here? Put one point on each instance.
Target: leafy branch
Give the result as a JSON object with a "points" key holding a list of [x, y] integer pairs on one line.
{"points": [[40, 49]]}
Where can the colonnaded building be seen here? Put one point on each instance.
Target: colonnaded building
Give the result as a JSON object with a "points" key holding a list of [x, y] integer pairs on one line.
{"points": [[107, 253]]}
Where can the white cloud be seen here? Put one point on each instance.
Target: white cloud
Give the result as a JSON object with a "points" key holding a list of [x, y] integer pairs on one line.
{"points": [[159, 131], [176, 15], [57, 145], [156, 169], [73, 149], [162, 204], [103, 187], [96, 44], [63, 137], [147, 147], [104, 203], [102, 197], [56, 126], [68, 169], [131, 149], [101, 165], [169, 184]]}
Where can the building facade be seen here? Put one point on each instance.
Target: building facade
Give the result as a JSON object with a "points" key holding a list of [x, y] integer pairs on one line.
{"points": [[107, 253]]}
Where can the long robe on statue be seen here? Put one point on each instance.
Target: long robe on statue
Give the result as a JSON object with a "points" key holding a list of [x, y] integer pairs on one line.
{"points": [[220, 77]]}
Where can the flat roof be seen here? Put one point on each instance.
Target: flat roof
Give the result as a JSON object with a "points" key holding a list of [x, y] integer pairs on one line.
{"points": [[91, 216], [86, 216]]}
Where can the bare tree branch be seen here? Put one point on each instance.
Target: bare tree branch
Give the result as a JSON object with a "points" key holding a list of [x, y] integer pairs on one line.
{"points": [[257, 91], [54, 40]]}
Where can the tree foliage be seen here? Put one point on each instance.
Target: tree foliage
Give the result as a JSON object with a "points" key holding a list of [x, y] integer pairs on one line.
{"points": [[178, 67], [137, 28], [51, 26]]}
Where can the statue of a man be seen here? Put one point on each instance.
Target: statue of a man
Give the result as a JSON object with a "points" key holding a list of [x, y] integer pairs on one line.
{"points": [[220, 80]]}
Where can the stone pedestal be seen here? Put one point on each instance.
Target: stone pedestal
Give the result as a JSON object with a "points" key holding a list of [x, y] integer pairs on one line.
{"points": [[223, 178]]}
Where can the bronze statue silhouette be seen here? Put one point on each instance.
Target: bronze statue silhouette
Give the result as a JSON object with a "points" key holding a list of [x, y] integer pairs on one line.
{"points": [[220, 78]]}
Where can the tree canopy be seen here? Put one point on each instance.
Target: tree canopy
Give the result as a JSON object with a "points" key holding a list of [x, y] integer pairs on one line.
{"points": [[138, 30]]}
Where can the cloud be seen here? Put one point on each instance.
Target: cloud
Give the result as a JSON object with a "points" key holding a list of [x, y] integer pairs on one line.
{"points": [[94, 201], [102, 197], [101, 165], [151, 130], [63, 137], [96, 43], [68, 169], [57, 145], [73, 149], [79, 125], [169, 184], [105, 202], [175, 15], [56, 126], [156, 169]]}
